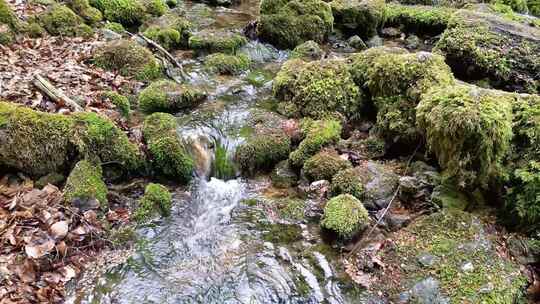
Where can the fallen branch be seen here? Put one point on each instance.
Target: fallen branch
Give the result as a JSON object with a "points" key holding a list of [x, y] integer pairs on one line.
{"points": [[55, 94]]}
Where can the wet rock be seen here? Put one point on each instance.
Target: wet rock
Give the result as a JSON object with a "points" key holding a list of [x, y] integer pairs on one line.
{"points": [[283, 176], [396, 221], [380, 182], [357, 43], [427, 292], [211, 41], [375, 41], [318, 189], [427, 260], [259, 52], [313, 209], [412, 42], [309, 50]]}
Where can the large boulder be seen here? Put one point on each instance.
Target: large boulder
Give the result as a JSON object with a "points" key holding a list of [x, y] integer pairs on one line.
{"points": [[479, 45], [287, 24], [361, 17]]}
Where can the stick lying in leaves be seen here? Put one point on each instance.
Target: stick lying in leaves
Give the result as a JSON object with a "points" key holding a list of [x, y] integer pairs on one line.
{"points": [[55, 94]]}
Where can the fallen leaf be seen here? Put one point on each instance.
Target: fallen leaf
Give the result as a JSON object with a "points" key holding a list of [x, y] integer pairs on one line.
{"points": [[59, 229]]}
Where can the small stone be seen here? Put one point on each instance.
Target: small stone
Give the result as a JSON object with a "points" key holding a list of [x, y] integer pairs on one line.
{"points": [[467, 267], [85, 204], [427, 260], [486, 288]]}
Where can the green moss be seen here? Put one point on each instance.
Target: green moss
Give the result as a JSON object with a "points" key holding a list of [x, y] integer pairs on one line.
{"points": [[345, 215], [126, 12], [318, 134], [169, 38], [281, 233], [363, 17], [129, 59], [170, 31], [169, 96], [90, 14], [7, 16], [347, 182], [534, 7], [212, 41], [518, 6], [291, 209], [155, 7], [469, 129], [119, 101], [396, 80], [317, 88], [258, 78], [156, 198], [526, 129], [419, 19], [61, 20], [85, 182], [34, 30], [287, 24], [115, 27], [523, 198], [262, 151], [227, 64], [324, 165], [309, 50], [53, 178], [7, 36], [169, 156]]}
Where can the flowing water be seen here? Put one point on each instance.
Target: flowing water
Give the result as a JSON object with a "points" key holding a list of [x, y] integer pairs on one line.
{"points": [[216, 247]]}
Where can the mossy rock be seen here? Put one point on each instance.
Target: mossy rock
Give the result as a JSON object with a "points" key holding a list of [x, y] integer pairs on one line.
{"points": [[361, 17], [347, 182], [169, 155], [262, 150], [317, 88], [345, 215], [283, 176], [227, 64], [287, 24], [448, 196], [61, 20], [395, 80], [119, 101], [82, 7], [472, 46], [7, 35], [455, 239], [7, 16], [309, 50], [418, 18], [39, 143], [169, 96], [129, 59], [317, 134], [155, 7], [85, 183], [115, 27], [518, 6], [534, 7], [469, 129], [370, 147], [170, 31], [156, 199], [125, 12], [324, 165], [212, 41]]}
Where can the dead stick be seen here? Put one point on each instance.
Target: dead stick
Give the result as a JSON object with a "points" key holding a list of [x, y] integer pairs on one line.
{"points": [[55, 94]]}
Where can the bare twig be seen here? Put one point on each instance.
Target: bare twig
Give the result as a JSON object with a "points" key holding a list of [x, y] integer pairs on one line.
{"points": [[55, 94]]}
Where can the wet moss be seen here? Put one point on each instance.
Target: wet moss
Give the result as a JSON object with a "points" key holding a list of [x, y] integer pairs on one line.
{"points": [[262, 151], [61, 20], [317, 88], [119, 101], [212, 41], [317, 134], [292, 209], [345, 215], [169, 156], [347, 182], [125, 12], [169, 96], [324, 165], [396, 80], [419, 19], [156, 199], [129, 59], [363, 17], [227, 64], [85, 183], [469, 129], [309, 50], [287, 24]]}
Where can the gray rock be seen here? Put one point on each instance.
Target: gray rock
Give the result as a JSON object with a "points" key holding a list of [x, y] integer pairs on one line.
{"points": [[467, 267], [427, 260], [427, 292], [396, 221], [375, 41], [110, 35], [357, 43], [259, 52], [412, 42], [318, 189], [380, 183]]}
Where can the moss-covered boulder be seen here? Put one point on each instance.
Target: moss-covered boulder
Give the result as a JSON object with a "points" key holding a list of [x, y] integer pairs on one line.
{"points": [[39, 143], [227, 64], [129, 59], [287, 24], [361, 17], [85, 183], [262, 150], [156, 199], [324, 165], [315, 89], [418, 18], [309, 50], [170, 31], [479, 45], [396, 80], [120, 102], [347, 182], [126, 12], [212, 41], [7, 16], [469, 129], [155, 7], [345, 215], [61, 20], [317, 134], [82, 7], [115, 27], [169, 155], [169, 96]]}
